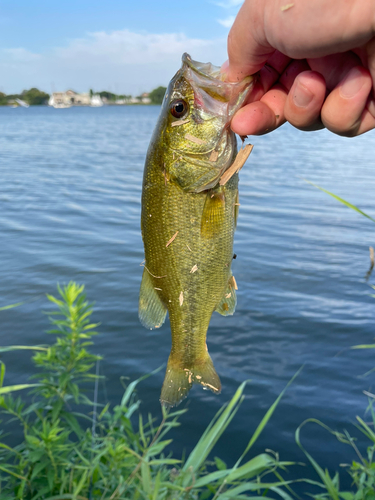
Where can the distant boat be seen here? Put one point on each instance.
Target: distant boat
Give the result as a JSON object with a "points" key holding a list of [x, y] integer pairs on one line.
{"points": [[22, 103], [96, 101], [57, 105]]}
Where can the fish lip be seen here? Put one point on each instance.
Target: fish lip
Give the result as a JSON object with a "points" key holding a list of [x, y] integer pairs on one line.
{"points": [[214, 74], [205, 76]]}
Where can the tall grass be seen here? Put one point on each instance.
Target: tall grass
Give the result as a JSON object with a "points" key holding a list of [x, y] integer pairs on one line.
{"points": [[362, 469], [72, 448]]}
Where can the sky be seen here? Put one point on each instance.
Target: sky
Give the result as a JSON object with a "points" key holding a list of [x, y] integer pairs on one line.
{"points": [[126, 47]]}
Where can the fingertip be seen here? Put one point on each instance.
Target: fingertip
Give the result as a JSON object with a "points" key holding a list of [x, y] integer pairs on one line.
{"points": [[346, 106], [255, 118], [353, 83], [305, 101]]}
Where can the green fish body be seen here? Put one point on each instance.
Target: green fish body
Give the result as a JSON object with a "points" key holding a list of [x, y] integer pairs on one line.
{"points": [[188, 221]]}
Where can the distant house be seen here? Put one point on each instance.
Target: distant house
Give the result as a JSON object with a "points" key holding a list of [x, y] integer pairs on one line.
{"points": [[145, 99], [69, 98]]}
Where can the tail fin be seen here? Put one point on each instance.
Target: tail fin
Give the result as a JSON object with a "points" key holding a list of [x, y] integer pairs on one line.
{"points": [[179, 380]]}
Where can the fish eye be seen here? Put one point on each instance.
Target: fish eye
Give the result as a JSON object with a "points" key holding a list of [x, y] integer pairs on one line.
{"points": [[179, 108]]}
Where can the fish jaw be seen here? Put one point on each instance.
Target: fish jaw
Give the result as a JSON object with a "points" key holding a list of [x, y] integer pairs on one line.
{"points": [[198, 146], [212, 94]]}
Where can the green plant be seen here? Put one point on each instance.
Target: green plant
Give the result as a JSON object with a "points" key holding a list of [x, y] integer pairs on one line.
{"points": [[66, 452], [362, 470]]}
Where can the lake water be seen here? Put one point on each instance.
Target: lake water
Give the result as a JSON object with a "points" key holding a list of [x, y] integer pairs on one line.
{"points": [[70, 195]]}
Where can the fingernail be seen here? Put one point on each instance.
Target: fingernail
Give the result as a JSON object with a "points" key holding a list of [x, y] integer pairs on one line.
{"points": [[302, 96], [352, 83]]}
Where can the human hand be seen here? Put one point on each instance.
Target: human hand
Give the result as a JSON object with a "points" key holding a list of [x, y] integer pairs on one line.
{"points": [[316, 63]]}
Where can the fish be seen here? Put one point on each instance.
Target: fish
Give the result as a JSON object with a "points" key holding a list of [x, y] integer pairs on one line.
{"points": [[188, 219]]}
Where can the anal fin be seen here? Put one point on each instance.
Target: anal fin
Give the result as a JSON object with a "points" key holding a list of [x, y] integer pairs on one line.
{"points": [[151, 310], [227, 305]]}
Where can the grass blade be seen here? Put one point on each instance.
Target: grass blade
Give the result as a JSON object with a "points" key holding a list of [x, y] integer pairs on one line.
{"points": [[23, 348], [341, 200], [11, 306], [324, 476], [20, 387], [216, 429], [265, 419]]}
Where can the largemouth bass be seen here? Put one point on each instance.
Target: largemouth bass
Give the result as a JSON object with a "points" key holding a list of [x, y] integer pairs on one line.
{"points": [[188, 220]]}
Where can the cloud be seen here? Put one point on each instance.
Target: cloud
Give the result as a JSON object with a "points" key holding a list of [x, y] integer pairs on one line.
{"points": [[228, 4], [127, 47], [122, 61], [20, 55], [227, 23]]}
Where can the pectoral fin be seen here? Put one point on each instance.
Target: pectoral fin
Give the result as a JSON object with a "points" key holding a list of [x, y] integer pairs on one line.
{"points": [[151, 311], [228, 302], [213, 213]]}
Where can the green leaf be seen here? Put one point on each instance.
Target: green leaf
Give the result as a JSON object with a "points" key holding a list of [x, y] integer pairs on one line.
{"points": [[341, 200], [158, 447], [146, 477], [73, 423], [220, 464], [266, 418], [253, 486], [211, 478], [20, 387], [156, 486], [11, 306], [130, 389], [23, 347], [39, 467], [324, 476], [366, 430], [13, 473], [252, 467], [33, 441], [82, 482], [50, 477], [165, 461], [213, 433], [64, 497], [2, 373]]}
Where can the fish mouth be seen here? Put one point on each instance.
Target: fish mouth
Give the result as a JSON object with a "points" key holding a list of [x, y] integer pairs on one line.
{"points": [[212, 93]]}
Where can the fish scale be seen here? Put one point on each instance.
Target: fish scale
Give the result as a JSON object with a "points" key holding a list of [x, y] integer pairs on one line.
{"points": [[188, 221]]}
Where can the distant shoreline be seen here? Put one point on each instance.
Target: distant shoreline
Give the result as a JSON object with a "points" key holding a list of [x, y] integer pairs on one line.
{"points": [[81, 105], [69, 98]]}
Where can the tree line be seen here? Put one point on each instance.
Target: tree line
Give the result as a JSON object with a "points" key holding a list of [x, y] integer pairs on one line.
{"points": [[36, 97]]}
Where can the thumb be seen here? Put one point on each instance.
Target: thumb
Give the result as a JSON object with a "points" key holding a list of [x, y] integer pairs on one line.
{"points": [[248, 49]]}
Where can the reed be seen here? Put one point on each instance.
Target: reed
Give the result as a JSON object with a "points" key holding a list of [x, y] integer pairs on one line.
{"points": [[73, 448]]}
